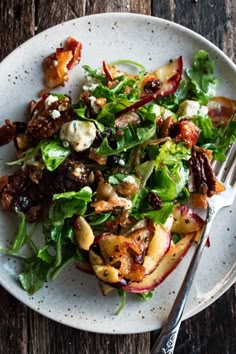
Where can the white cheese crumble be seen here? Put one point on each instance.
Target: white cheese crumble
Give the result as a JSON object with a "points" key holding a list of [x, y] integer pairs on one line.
{"points": [[90, 87], [94, 106], [79, 134], [129, 179], [121, 162], [49, 100], [55, 114], [191, 108]]}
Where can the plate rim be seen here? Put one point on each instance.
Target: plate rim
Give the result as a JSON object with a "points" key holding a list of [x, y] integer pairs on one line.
{"points": [[229, 282]]}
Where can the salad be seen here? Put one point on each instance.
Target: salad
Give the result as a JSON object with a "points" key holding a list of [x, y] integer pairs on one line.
{"points": [[109, 178]]}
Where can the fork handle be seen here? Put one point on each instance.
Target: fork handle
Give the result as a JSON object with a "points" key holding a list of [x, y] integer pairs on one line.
{"points": [[165, 343]]}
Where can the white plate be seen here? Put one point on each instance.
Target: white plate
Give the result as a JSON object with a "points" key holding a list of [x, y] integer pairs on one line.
{"points": [[74, 298]]}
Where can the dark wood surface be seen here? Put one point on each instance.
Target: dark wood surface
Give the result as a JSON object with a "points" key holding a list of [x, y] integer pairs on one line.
{"points": [[23, 331]]}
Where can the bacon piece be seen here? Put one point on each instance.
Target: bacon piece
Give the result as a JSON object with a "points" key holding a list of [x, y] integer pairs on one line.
{"points": [[221, 109], [188, 132], [76, 48], [56, 65]]}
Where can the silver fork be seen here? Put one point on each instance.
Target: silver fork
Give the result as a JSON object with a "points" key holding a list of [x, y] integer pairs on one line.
{"points": [[226, 173]]}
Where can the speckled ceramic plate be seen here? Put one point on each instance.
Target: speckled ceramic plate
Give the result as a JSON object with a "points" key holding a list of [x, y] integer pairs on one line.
{"points": [[75, 298]]}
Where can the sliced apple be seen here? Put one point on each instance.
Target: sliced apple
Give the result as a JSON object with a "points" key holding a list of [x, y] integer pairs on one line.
{"points": [[123, 259], [157, 249], [167, 265], [168, 77], [186, 220]]}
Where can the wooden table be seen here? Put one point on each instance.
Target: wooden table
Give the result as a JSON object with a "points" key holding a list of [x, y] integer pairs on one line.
{"points": [[22, 330]]}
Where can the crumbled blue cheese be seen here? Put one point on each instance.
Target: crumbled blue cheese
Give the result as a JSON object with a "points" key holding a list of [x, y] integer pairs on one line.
{"points": [[49, 100], [55, 114], [90, 84], [79, 134], [94, 106], [191, 108], [129, 179], [90, 87]]}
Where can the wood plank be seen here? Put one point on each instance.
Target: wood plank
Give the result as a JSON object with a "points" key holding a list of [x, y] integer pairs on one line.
{"points": [[13, 325], [17, 24]]}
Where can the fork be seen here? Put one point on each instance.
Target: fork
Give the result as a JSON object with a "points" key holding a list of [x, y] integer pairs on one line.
{"points": [[226, 173]]}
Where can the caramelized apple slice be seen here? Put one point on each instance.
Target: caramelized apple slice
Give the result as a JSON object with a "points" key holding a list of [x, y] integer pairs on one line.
{"points": [[122, 259], [164, 80], [157, 249], [186, 220], [167, 265]]}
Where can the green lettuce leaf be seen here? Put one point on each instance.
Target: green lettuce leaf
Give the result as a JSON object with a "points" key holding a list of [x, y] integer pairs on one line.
{"points": [[53, 153]]}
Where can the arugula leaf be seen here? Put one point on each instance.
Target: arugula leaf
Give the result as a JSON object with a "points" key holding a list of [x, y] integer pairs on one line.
{"points": [[131, 62], [160, 216], [147, 295], [96, 74], [84, 194], [61, 266], [201, 77], [81, 113], [21, 236], [100, 219], [208, 132], [44, 254], [53, 153], [27, 155], [122, 294], [34, 275], [127, 140]]}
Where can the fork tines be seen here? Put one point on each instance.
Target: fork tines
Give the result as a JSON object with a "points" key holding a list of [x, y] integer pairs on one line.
{"points": [[226, 171]]}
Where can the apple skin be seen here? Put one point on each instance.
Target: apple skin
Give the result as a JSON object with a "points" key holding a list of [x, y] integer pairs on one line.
{"points": [[167, 265], [186, 220], [157, 249]]}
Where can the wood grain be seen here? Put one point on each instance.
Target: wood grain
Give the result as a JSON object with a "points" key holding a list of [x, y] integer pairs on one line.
{"points": [[23, 331]]}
